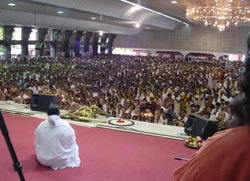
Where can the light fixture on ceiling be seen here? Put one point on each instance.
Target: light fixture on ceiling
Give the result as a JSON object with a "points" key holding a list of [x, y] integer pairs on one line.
{"points": [[11, 4], [100, 32], [153, 11], [174, 2], [137, 25], [93, 18], [60, 12], [220, 13]]}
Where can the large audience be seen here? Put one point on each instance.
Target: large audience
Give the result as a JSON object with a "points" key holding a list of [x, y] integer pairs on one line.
{"points": [[128, 86]]}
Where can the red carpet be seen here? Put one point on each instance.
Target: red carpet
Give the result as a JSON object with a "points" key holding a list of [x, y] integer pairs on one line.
{"points": [[106, 155]]}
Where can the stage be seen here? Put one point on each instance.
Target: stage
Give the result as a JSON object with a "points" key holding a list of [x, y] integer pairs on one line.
{"points": [[139, 127], [142, 151]]}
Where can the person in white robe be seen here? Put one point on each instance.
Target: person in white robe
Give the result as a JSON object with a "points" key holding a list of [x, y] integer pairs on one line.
{"points": [[55, 142]]}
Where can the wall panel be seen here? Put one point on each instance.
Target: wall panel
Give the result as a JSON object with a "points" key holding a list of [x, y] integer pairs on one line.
{"points": [[188, 38]]}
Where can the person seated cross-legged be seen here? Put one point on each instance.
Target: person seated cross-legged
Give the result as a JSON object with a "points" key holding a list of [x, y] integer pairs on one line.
{"points": [[55, 142]]}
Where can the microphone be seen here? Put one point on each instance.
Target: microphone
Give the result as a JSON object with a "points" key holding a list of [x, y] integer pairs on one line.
{"points": [[179, 158]]}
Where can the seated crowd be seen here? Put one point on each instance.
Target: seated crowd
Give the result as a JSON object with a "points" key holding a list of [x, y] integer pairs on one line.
{"points": [[127, 86]]}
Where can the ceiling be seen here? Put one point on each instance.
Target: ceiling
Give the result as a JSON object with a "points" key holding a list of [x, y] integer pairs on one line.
{"points": [[112, 16]]}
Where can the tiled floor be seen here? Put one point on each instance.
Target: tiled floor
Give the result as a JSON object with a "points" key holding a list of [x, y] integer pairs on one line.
{"points": [[139, 127]]}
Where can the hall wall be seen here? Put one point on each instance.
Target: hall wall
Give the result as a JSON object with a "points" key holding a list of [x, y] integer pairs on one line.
{"points": [[188, 38]]}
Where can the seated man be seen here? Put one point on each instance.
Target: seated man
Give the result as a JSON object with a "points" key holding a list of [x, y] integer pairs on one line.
{"points": [[55, 142], [221, 120]]}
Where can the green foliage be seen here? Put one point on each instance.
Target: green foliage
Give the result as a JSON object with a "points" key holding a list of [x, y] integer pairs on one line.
{"points": [[1, 49]]}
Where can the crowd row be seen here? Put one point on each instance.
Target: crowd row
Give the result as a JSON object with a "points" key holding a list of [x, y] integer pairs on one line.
{"points": [[127, 86]]}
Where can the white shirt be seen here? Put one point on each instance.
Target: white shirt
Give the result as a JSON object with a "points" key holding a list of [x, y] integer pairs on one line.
{"points": [[55, 144], [34, 90]]}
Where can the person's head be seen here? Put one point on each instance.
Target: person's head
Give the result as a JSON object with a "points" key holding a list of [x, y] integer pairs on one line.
{"points": [[53, 109], [192, 108], [217, 105], [114, 113], [222, 93], [197, 97], [152, 100], [206, 101], [182, 114], [197, 107], [221, 116]]}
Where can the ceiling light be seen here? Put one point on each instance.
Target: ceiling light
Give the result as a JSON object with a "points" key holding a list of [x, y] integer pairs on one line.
{"points": [[153, 11], [174, 2], [137, 25], [93, 18], [100, 32], [60, 12], [220, 13], [11, 4]]}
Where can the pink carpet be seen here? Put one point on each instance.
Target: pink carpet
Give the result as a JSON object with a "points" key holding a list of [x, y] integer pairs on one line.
{"points": [[106, 155]]}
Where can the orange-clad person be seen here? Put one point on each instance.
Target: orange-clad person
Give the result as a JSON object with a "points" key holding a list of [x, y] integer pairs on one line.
{"points": [[223, 157], [226, 155]]}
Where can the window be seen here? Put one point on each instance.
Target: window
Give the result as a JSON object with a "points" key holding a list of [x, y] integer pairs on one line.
{"points": [[1, 51], [16, 50], [124, 51], [17, 34], [1, 33], [33, 35], [32, 50], [48, 36]]}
